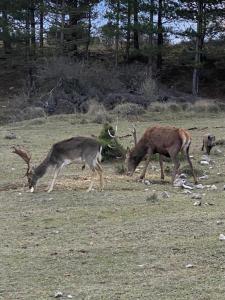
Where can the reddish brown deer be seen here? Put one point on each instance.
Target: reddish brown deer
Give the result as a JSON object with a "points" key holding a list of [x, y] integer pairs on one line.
{"points": [[166, 141], [83, 149]]}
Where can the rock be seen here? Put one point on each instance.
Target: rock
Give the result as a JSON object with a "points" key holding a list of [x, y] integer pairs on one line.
{"points": [[204, 177], [188, 266], [183, 176], [69, 296], [58, 294], [224, 187], [197, 203], [187, 187], [187, 192], [196, 196], [10, 136], [219, 222], [213, 187], [146, 181], [165, 195], [200, 186], [222, 237], [206, 158], [204, 162], [178, 182]]}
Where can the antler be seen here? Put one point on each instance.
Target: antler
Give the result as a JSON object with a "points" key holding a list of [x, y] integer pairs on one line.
{"points": [[24, 155], [113, 135]]}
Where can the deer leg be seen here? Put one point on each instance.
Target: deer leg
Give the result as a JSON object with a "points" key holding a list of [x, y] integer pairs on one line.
{"points": [[146, 165], [190, 164], [56, 173], [176, 167], [99, 171], [92, 181], [161, 166]]}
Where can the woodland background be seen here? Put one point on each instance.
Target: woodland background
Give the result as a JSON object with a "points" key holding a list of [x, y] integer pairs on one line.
{"points": [[59, 56]]}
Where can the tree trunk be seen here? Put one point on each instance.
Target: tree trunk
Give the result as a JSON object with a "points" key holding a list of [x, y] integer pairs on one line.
{"points": [[136, 37], [88, 32], [160, 37], [151, 25], [32, 26], [128, 29], [198, 49], [117, 32], [6, 34], [62, 26], [41, 25]]}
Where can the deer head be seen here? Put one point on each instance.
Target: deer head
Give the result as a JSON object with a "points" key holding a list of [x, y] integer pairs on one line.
{"points": [[30, 170]]}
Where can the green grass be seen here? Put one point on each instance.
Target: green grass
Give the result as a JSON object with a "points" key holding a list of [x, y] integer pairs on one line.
{"points": [[115, 244]]}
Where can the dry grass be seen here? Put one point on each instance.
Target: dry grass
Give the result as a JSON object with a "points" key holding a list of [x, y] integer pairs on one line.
{"points": [[110, 245]]}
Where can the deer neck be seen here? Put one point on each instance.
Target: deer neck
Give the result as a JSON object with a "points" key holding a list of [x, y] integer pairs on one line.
{"points": [[139, 152], [41, 169]]}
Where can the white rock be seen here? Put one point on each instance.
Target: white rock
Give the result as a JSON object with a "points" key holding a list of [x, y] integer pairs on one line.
{"points": [[183, 176], [206, 158], [213, 187], [204, 162], [187, 187], [219, 222], [58, 294], [222, 237], [199, 186], [165, 195], [187, 192], [204, 177], [69, 296], [197, 203], [196, 196], [147, 182], [189, 266]]}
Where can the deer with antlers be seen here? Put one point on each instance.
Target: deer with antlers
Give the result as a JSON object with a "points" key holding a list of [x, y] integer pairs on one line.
{"points": [[83, 149], [166, 141]]}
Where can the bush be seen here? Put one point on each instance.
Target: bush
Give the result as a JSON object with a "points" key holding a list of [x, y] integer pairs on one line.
{"points": [[150, 89], [111, 148], [97, 113], [128, 109]]}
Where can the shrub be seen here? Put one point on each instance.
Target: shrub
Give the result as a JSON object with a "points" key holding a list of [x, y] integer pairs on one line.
{"points": [[97, 113], [120, 169], [150, 89], [111, 148], [128, 109]]}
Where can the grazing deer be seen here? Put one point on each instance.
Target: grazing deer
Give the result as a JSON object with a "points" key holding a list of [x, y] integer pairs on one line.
{"points": [[166, 141], [208, 142], [84, 149]]}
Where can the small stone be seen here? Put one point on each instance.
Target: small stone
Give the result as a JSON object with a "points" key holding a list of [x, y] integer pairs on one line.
{"points": [[58, 294], [147, 182], [187, 192], [204, 162], [10, 136], [224, 187], [213, 187], [196, 196], [206, 158], [204, 177], [165, 195], [69, 296], [222, 237], [219, 222], [185, 186], [183, 176], [200, 186], [188, 266], [197, 203]]}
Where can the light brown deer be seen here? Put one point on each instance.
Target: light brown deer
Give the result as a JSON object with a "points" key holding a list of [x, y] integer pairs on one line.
{"points": [[83, 149], [166, 141]]}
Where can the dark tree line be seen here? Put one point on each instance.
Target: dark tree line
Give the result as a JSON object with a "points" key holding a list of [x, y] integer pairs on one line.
{"points": [[129, 27]]}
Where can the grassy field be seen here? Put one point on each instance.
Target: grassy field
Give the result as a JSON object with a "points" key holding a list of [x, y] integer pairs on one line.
{"points": [[121, 243]]}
